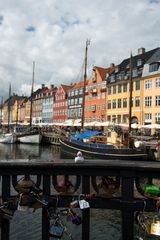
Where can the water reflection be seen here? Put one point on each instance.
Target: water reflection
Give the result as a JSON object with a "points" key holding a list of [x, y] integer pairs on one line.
{"points": [[29, 151]]}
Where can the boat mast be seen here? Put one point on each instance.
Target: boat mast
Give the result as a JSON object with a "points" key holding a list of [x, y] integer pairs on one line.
{"points": [[130, 97], [9, 107], [31, 109], [1, 110], [85, 78]]}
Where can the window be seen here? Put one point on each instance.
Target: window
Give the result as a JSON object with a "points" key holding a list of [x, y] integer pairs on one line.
{"points": [[125, 116], [137, 85], [158, 82], [80, 100], [148, 101], [109, 104], [139, 62], [135, 73], [157, 117], [148, 116], [81, 91], [119, 119], [157, 100], [114, 89], [109, 118], [104, 84], [119, 103], [137, 101], [114, 103], [119, 88], [103, 106], [153, 67], [125, 87], [109, 90], [76, 92], [98, 107], [124, 102], [148, 84], [113, 118]]}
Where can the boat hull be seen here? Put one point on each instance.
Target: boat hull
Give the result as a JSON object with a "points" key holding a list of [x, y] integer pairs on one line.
{"points": [[69, 150], [51, 138], [8, 138], [30, 138]]}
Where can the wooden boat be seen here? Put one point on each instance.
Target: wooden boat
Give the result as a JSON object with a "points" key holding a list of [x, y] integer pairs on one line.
{"points": [[69, 149], [28, 135], [8, 138], [51, 138]]}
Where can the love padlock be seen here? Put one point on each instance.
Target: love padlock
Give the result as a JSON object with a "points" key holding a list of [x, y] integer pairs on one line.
{"points": [[83, 204], [56, 230]]}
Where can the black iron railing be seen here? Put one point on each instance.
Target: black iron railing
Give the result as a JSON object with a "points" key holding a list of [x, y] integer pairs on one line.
{"points": [[87, 180]]}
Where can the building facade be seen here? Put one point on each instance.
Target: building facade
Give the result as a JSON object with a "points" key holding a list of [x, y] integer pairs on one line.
{"points": [[118, 89]]}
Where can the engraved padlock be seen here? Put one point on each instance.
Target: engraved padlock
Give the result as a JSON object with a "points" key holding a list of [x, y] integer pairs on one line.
{"points": [[56, 230]]}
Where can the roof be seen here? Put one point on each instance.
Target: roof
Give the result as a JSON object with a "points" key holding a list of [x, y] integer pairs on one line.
{"points": [[103, 71], [66, 87], [144, 57], [78, 85]]}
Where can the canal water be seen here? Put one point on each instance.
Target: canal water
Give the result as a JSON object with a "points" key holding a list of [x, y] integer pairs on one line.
{"points": [[105, 224]]}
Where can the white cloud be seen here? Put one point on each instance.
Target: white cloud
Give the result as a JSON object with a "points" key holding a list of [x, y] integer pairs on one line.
{"points": [[59, 31]]}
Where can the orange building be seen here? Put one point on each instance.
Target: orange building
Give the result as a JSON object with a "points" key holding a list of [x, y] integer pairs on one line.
{"points": [[95, 99]]}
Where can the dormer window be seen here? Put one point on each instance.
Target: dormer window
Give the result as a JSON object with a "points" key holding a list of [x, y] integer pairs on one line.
{"points": [[94, 75], [139, 62], [153, 67]]}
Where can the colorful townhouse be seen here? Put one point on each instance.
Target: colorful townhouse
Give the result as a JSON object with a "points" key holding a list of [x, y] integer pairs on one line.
{"points": [[47, 105], [37, 105], [118, 89], [18, 110], [10, 110], [95, 97], [60, 104], [151, 90], [75, 101]]}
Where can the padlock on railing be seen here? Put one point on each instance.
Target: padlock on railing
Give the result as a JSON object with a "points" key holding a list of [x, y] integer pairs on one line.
{"points": [[7, 209], [26, 185], [75, 218], [22, 206], [155, 226], [83, 204], [56, 230]]}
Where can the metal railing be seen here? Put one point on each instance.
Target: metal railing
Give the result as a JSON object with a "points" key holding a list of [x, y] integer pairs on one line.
{"points": [[85, 182]]}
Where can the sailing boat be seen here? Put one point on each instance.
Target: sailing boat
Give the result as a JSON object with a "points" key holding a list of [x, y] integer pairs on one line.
{"points": [[8, 137], [94, 150], [29, 134]]}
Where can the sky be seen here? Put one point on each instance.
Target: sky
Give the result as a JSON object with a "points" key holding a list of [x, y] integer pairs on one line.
{"points": [[53, 33]]}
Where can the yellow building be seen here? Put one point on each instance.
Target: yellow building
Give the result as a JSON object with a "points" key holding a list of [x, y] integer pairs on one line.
{"points": [[151, 91], [118, 89]]}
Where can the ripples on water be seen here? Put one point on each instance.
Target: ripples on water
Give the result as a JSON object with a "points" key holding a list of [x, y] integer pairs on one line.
{"points": [[105, 224]]}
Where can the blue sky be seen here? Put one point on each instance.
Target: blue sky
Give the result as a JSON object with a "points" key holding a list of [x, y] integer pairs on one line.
{"points": [[53, 33]]}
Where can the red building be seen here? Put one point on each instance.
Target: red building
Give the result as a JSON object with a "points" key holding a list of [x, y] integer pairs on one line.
{"points": [[60, 104]]}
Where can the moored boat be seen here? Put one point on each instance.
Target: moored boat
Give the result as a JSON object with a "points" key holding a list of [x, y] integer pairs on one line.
{"points": [[8, 138], [51, 138], [100, 151], [28, 135], [94, 145]]}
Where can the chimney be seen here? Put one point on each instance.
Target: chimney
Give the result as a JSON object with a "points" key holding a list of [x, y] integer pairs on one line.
{"points": [[112, 65], [141, 50], [43, 85]]}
